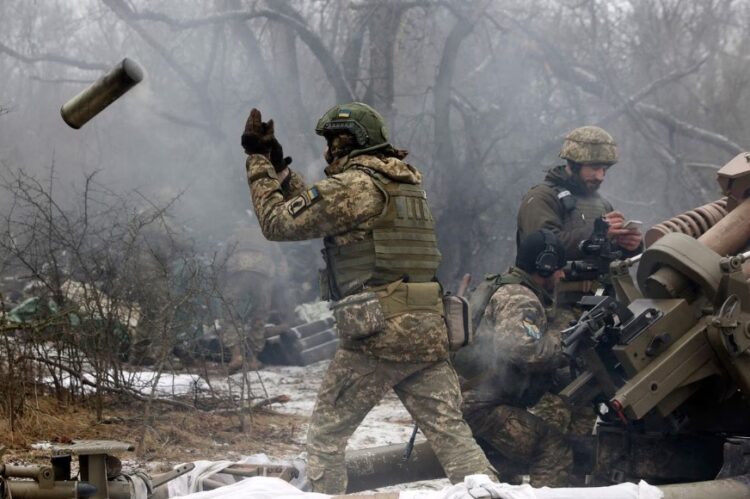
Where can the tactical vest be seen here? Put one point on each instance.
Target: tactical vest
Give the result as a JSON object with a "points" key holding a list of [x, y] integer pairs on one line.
{"points": [[579, 211], [403, 244]]}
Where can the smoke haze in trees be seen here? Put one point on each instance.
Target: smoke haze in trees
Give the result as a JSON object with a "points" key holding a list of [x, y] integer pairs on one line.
{"points": [[480, 92]]}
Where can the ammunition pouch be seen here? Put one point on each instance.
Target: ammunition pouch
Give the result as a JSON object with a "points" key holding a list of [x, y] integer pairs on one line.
{"points": [[364, 314], [458, 322], [358, 316], [403, 297]]}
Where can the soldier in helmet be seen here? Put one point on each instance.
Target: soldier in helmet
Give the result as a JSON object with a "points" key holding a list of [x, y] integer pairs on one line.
{"points": [[507, 372], [381, 257], [568, 202]]}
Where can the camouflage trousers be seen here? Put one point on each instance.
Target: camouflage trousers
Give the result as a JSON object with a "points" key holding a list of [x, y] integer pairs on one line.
{"points": [[520, 436], [356, 382]]}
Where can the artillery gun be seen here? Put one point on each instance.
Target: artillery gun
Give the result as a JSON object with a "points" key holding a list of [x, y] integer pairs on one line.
{"points": [[669, 366], [100, 475], [666, 362]]}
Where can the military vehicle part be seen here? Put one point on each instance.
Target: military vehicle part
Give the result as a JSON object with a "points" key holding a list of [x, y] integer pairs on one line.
{"points": [[100, 474], [381, 466], [694, 223], [669, 344], [734, 180], [728, 236], [164, 478], [591, 274], [100, 94], [729, 488], [234, 473], [622, 283], [40, 483]]}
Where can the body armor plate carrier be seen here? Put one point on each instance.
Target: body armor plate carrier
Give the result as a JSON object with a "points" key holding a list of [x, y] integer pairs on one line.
{"points": [[403, 244]]}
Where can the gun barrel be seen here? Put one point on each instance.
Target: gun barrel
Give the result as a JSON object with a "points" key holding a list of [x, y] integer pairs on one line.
{"points": [[20, 471], [26, 489], [100, 94], [159, 480], [727, 488]]}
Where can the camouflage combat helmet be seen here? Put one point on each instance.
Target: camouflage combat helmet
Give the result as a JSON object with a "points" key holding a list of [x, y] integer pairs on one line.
{"points": [[589, 145], [359, 119]]}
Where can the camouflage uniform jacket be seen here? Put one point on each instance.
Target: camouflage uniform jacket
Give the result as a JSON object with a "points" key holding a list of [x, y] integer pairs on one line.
{"points": [[343, 209], [514, 355], [541, 209]]}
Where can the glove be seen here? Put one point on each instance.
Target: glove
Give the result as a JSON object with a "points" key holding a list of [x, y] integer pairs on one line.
{"points": [[278, 160], [259, 138]]}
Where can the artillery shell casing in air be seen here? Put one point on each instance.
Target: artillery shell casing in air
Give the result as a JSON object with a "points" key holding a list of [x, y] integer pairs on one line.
{"points": [[100, 94]]}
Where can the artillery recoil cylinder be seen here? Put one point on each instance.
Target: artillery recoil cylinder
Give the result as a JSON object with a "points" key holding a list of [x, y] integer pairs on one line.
{"points": [[100, 94], [694, 223]]}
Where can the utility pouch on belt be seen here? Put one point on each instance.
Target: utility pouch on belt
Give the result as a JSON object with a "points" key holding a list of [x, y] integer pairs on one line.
{"points": [[358, 316], [401, 297], [458, 321]]}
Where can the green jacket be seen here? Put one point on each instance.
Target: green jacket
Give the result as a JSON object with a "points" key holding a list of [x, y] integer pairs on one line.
{"points": [[542, 209]]}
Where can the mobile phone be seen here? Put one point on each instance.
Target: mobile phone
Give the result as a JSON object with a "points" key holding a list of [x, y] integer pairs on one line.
{"points": [[632, 224]]}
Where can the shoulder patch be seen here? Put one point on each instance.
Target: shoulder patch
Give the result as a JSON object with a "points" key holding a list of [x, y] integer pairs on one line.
{"points": [[532, 331], [303, 201]]}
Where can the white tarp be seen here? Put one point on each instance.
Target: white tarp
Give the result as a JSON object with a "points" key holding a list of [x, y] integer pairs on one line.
{"points": [[474, 487]]}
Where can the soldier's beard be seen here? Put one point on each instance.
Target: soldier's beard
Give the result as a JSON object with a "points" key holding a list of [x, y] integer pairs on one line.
{"points": [[592, 185]]}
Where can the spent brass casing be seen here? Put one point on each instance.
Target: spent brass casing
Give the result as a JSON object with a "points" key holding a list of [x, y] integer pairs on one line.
{"points": [[100, 94]]}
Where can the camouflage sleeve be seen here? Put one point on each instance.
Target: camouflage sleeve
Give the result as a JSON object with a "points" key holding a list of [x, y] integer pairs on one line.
{"points": [[540, 209], [329, 207], [520, 323], [293, 186]]}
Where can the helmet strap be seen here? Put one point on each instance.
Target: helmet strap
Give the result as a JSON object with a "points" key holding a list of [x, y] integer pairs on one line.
{"points": [[366, 150]]}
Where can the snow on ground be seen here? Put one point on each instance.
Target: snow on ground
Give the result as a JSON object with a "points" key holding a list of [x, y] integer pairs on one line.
{"points": [[388, 423]]}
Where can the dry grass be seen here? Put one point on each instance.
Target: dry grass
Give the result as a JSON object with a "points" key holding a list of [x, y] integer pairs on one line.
{"points": [[174, 436]]}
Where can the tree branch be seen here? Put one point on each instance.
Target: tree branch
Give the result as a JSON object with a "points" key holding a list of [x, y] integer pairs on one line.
{"points": [[60, 59], [332, 69], [566, 69]]}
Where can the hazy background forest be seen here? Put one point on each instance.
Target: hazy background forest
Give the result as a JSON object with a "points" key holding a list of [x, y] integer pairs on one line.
{"points": [[480, 91]]}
